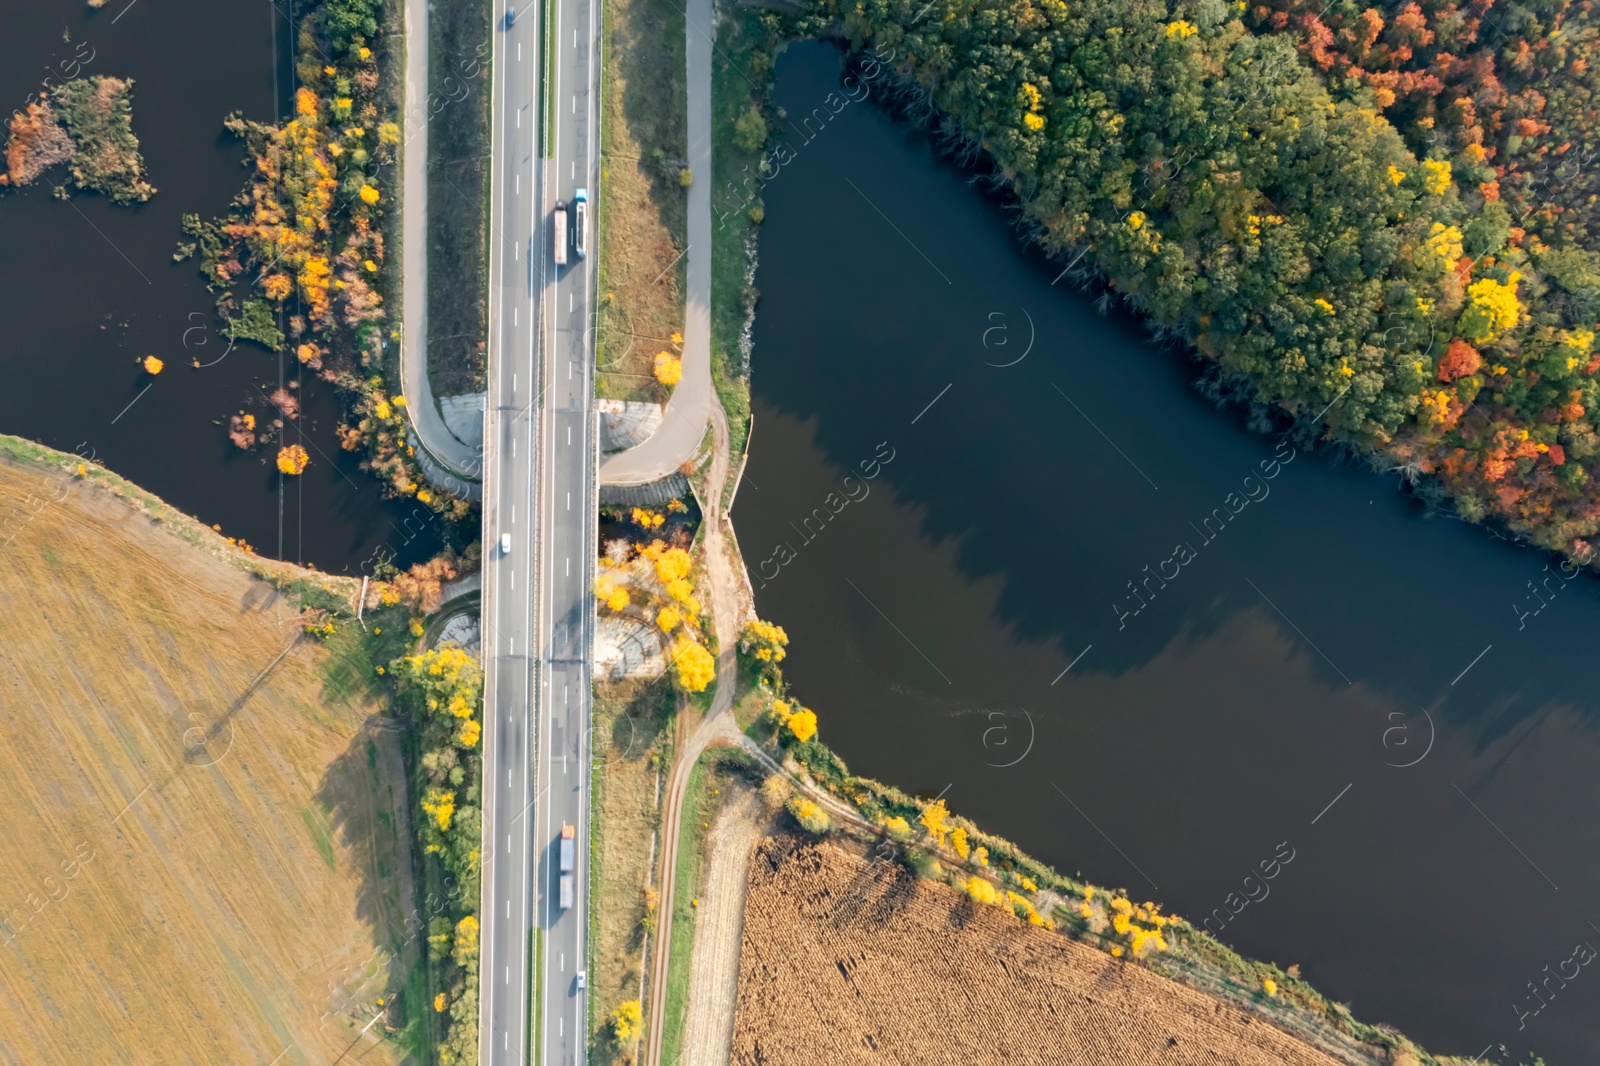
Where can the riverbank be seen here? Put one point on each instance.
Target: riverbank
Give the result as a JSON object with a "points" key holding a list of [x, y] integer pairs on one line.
{"points": [[923, 839]]}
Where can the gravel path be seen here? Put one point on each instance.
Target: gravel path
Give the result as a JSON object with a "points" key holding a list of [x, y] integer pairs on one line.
{"points": [[719, 921]]}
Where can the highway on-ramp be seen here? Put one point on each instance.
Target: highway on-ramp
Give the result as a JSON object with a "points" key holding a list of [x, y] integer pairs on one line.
{"points": [[539, 489]]}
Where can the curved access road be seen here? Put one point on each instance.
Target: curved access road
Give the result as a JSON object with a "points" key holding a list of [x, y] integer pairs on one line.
{"points": [[684, 424], [717, 727], [427, 424]]}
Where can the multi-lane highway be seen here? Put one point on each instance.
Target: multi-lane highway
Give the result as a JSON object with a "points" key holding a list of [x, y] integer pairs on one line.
{"points": [[539, 489]]}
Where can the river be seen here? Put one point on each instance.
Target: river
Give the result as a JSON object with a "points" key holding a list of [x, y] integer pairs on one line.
{"points": [[89, 288], [1020, 555]]}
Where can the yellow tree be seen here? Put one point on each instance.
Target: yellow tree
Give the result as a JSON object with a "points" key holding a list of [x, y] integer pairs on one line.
{"points": [[933, 817], [694, 665], [624, 1022], [802, 724]]}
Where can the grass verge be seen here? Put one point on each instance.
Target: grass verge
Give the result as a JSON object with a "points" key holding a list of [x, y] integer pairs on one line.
{"points": [[643, 218], [458, 195], [699, 804], [742, 116], [632, 723]]}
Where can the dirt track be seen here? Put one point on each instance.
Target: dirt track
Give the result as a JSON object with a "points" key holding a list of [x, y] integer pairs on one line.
{"points": [[840, 968], [714, 964], [187, 876]]}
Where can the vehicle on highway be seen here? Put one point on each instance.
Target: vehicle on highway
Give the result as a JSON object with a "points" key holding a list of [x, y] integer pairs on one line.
{"points": [[558, 233], [568, 856], [580, 221], [505, 544], [583, 980], [511, 17]]}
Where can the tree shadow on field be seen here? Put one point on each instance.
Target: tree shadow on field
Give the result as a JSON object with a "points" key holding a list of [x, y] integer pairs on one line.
{"points": [[365, 798]]}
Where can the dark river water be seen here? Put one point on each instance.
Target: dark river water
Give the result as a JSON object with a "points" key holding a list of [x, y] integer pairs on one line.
{"points": [[946, 519], [88, 288]]}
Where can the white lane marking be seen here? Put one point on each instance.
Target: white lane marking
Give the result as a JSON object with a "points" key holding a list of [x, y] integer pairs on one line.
{"points": [[508, 908], [569, 436], [508, 843], [513, 316], [513, 514], [569, 566], [508, 981], [505, 1042], [511, 646], [563, 962], [518, 179], [519, 118], [513, 449], [508, 785], [569, 501], [519, 51], [571, 296], [574, 103], [561, 1027], [574, 38], [569, 370], [513, 383], [563, 694], [574, 170]]}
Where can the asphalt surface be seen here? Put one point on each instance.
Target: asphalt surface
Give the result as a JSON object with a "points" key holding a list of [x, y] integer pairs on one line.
{"points": [[540, 488]]}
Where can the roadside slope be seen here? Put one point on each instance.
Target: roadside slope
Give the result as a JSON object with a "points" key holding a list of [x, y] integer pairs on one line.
{"points": [[207, 857], [422, 408]]}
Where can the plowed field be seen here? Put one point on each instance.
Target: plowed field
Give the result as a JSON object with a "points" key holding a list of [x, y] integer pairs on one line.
{"points": [[842, 966]]}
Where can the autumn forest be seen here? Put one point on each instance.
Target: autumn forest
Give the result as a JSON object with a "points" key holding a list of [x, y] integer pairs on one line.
{"points": [[1380, 222]]}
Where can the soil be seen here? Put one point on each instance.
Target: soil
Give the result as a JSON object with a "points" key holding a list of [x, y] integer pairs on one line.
{"points": [[719, 920], [206, 856], [842, 965]]}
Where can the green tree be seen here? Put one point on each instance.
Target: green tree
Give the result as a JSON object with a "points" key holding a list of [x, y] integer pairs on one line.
{"points": [[750, 131]]}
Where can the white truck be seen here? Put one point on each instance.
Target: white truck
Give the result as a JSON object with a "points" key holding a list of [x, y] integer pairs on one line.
{"points": [[558, 233], [567, 860], [580, 222]]}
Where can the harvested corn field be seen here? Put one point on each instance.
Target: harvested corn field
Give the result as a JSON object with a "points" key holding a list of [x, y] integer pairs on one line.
{"points": [[840, 965], [206, 854]]}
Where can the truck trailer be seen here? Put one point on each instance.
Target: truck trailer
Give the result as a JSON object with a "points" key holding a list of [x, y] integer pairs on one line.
{"points": [[567, 859], [558, 233]]}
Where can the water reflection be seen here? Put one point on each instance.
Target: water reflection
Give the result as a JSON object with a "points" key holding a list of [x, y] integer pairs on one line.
{"points": [[89, 289]]}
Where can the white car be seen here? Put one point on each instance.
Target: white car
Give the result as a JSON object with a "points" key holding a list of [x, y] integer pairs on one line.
{"points": [[583, 979], [505, 544]]}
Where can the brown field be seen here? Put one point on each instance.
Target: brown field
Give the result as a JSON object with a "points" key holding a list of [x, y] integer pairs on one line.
{"points": [[838, 966], [643, 210], [196, 868]]}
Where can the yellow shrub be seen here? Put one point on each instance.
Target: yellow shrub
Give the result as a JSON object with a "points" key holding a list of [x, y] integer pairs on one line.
{"points": [[982, 891], [694, 665], [802, 723]]}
